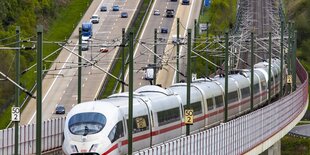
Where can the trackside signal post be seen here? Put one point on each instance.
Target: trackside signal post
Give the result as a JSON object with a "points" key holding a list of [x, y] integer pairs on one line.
{"points": [[252, 70], [226, 77], [17, 91], [189, 77], [281, 69], [130, 106], [123, 59], [269, 71], [80, 67], [155, 57], [39, 88], [294, 61], [178, 48]]}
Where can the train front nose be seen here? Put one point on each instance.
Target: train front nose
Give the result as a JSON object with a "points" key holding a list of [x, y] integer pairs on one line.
{"points": [[88, 147]]}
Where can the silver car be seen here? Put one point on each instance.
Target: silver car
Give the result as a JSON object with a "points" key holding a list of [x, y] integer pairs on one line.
{"points": [[156, 12]]}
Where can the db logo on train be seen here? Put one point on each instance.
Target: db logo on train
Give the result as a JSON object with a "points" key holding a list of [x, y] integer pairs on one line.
{"points": [[189, 117]]}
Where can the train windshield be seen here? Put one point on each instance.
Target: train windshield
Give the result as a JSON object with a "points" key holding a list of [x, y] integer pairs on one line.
{"points": [[87, 123]]}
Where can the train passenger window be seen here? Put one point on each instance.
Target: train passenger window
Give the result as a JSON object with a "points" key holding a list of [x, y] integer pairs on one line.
{"points": [[210, 104], [196, 107], [116, 132], [245, 92], [256, 88], [264, 85], [168, 116], [140, 124], [219, 101], [232, 97]]}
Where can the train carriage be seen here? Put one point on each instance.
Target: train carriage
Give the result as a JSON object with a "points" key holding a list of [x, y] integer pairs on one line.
{"points": [[100, 127]]}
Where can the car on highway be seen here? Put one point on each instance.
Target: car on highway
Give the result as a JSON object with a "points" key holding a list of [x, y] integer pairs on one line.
{"points": [[84, 45], [185, 2], [164, 30], [94, 19], [60, 109], [156, 12], [124, 15], [103, 8], [103, 50], [169, 13], [115, 8]]}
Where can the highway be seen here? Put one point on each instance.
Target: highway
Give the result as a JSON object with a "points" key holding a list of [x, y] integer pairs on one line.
{"points": [[60, 86], [187, 15], [142, 55]]}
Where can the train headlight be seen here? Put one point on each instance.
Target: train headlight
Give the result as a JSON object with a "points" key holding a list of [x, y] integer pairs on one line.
{"points": [[93, 148], [74, 149]]}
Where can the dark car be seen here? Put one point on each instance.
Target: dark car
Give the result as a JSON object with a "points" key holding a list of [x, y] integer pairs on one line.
{"points": [[164, 30], [185, 2], [169, 13], [124, 15], [103, 8], [60, 109], [115, 8]]}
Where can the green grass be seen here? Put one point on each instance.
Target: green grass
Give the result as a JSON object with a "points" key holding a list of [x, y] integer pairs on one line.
{"points": [[292, 145], [60, 29], [117, 68]]}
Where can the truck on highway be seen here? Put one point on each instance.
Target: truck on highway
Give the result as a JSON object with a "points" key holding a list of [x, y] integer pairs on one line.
{"points": [[87, 30]]}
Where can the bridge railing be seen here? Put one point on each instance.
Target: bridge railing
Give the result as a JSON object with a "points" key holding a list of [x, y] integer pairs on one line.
{"points": [[244, 133], [52, 137]]}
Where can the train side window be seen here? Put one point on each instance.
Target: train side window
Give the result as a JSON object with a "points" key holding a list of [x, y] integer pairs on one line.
{"points": [[210, 104], [116, 132], [168, 116], [196, 106], [245, 92], [140, 123], [219, 101], [232, 97], [264, 85], [256, 88]]}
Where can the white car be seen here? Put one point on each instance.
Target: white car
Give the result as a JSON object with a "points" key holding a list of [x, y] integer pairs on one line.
{"points": [[156, 12], [94, 19]]}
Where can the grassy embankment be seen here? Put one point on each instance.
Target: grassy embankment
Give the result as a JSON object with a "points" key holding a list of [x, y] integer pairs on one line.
{"points": [[117, 68], [59, 30]]}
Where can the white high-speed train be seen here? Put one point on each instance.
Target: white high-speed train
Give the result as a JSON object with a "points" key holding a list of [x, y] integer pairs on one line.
{"points": [[100, 127]]}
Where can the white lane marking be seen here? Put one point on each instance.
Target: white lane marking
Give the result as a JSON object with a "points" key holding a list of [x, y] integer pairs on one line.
{"points": [[49, 89], [144, 28], [188, 19], [72, 105], [83, 85], [140, 84], [131, 16], [109, 32], [98, 7], [86, 79]]}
